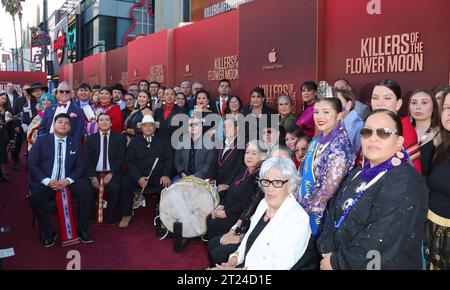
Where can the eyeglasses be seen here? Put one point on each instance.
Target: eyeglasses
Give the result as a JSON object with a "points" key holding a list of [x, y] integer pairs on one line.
{"points": [[64, 91], [275, 183], [382, 133]]}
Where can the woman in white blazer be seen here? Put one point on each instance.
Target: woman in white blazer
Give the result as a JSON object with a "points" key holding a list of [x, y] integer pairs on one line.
{"points": [[279, 230]]}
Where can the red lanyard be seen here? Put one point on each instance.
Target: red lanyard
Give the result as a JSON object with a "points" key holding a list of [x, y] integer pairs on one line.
{"points": [[246, 175], [228, 156]]}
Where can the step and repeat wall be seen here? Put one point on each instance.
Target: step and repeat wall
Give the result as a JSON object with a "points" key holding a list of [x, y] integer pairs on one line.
{"points": [[279, 44]]}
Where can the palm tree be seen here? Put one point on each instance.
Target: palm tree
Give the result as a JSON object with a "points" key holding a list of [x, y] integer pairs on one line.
{"points": [[13, 7]]}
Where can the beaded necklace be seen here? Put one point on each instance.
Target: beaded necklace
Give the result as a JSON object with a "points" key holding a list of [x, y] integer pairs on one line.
{"points": [[368, 176]]}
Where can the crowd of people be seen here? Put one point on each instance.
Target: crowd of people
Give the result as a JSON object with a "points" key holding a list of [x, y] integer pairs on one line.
{"points": [[326, 188]]}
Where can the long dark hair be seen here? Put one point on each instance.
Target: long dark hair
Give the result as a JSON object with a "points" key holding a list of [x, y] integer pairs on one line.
{"points": [[260, 92], [435, 120], [5, 107], [442, 151], [392, 85], [148, 105], [310, 85], [227, 109]]}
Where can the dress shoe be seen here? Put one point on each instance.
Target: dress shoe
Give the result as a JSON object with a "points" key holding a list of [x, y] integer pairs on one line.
{"points": [[85, 237], [124, 222], [49, 240], [111, 221]]}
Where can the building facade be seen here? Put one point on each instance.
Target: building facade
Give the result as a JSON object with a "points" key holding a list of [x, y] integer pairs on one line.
{"points": [[171, 14]]}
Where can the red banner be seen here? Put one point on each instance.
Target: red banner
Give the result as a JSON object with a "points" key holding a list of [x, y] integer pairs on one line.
{"points": [[94, 70], [20, 78], [151, 58], [116, 63], [207, 51], [404, 40], [280, 45], [279, 54]]}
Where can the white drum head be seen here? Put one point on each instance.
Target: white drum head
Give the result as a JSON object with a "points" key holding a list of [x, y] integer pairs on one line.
{"points": [[190, 201]]}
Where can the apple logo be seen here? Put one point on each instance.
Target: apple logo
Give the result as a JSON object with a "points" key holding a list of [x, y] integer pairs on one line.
{"points": [[273, 56]]}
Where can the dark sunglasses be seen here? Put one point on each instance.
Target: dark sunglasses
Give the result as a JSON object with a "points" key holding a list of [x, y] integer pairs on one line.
{"points": [[382, 133], [275, 183], [64, 91]]}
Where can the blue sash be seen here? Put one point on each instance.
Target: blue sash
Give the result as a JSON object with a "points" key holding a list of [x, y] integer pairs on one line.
{"points": [[308, 181]]}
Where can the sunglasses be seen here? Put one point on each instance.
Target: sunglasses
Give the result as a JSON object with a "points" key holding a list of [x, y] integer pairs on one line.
{"points": [[64, 91], [382, 133], [275, 183]]}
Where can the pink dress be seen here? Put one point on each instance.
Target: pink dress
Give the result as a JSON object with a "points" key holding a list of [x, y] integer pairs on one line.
{"points": [[306, 121]]}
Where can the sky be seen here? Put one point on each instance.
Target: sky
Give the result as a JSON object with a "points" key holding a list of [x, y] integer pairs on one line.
{"points": [[28, 16]]}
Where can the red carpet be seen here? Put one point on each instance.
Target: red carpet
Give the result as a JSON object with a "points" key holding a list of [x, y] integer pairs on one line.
{"points": [[133, 248]]}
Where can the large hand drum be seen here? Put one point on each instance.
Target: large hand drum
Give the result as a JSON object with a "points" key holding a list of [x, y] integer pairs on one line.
{"points": [[190, 200]]}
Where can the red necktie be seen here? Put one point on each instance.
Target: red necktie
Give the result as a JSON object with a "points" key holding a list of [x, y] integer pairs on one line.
{"points": [[224, 106], [105, 151]]}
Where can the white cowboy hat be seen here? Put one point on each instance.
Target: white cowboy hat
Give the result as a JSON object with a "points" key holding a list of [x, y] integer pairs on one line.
{"points": [[148, 119]]}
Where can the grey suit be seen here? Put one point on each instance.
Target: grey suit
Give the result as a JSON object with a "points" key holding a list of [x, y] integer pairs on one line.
{"points": [[205, 162]]}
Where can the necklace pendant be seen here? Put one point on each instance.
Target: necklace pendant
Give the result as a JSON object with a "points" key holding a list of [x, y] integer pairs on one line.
{"points": [[395, 161], [347, 204], [361, 187], [400, 155]]}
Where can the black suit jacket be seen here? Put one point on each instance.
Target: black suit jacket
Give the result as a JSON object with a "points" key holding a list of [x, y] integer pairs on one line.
{"points": [[239, 194], [42, 156], [116, 153], [10, 107], [141, 156], [18, 105], [205, 162], [215, 105], [229, 166], [165, 130]]}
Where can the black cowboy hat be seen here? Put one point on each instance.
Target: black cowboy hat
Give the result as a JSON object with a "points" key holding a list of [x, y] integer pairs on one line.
{"points": [[37, 85], [120, 88]]}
